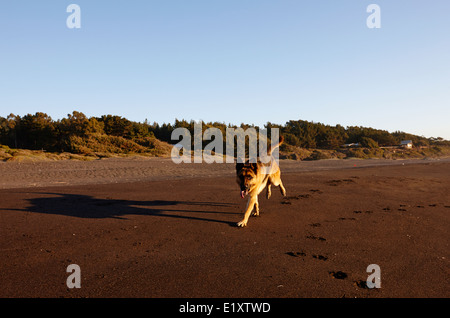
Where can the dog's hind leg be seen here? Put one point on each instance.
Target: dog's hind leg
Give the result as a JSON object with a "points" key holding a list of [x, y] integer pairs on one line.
{"points": [[269, 192], [276, 181], [282, 189]]}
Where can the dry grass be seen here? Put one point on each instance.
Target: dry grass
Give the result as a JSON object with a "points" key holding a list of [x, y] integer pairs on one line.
{"points": [[297, 153], [91, 148], [102, 146]]}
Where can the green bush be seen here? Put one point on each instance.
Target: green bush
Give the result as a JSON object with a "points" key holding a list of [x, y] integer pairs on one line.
{"points": [[319, 155], [368, 142], [103, 143]]}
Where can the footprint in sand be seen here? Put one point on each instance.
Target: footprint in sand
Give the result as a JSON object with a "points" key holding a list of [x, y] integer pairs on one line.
{"points": [[302, 254], [287, 200], [338, 275], [342, 219], [361, 284], [340, 181], [296, 254], [358, 212], [320, 257], [318, 238]]}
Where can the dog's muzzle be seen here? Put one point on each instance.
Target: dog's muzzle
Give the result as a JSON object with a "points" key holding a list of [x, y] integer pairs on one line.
{"points": [[244, 191]]}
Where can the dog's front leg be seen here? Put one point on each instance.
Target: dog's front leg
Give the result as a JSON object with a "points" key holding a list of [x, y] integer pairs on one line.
{"points": [[250, 204], [256, 213]]}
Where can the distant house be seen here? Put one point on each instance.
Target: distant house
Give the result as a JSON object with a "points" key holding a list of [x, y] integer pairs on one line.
{"points": [[355, 144], [406, 144]]}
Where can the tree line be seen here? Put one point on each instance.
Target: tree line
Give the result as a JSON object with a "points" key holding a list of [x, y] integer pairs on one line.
{"points": [[41, 132]]}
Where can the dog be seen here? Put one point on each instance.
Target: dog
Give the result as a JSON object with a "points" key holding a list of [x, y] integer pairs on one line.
{"points": [[254, 177]]}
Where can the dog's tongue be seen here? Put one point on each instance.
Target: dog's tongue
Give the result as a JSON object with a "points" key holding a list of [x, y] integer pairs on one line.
{"points": [[242, 194]]}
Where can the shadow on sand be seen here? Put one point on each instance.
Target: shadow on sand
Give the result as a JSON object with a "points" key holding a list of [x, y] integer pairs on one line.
{"points": [[84, 206]]}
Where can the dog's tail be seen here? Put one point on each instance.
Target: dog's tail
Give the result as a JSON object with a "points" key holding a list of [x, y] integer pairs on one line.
{"points": [[272, 148]]}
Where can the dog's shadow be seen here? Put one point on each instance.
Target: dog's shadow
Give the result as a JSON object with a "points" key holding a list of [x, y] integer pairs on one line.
{"points": [[85, 206]]}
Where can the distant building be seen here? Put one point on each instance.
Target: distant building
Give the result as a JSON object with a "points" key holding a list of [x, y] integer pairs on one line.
{"points": [[406, 144], [355, 144]]}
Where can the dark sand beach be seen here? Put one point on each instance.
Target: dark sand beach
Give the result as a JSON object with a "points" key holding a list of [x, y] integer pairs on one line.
{"points": [[150, 228]]}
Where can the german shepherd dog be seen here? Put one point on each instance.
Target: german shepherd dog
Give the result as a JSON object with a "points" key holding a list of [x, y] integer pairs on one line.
{"points": [[253, 178]]}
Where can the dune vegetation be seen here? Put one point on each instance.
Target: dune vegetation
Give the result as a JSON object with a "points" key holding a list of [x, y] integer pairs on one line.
{"points": [[39, 137]]}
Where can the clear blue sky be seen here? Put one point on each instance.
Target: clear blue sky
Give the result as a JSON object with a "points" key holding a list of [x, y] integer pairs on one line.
{"points": [[231, 61]]}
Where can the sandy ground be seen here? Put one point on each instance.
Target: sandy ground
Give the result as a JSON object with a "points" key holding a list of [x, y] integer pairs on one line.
{"points": [[150, 228], [122, 170]]}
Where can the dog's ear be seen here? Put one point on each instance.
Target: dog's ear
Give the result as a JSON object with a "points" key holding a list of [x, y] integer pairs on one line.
{"points": [[239, 166], [254, 167]]}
